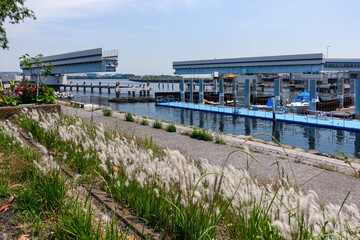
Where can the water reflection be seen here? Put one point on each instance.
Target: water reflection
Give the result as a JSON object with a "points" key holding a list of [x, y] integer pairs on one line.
{"points": [[276, 128], [222, 123], [309, 133], [247, 126], [201, 122], [339, 136], [182, 116]]}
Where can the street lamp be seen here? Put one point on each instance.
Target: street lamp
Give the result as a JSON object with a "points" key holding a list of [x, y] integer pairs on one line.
{"points": [[327, 51]]}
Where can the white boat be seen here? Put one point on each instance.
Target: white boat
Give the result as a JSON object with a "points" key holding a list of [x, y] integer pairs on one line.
{"points": [[302, 102]]}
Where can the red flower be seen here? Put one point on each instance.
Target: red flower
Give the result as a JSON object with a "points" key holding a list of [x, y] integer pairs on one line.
{"points": [[33, 89]]}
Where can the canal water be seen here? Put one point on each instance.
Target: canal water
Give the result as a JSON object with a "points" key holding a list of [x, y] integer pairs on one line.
{"points": [[324, 140]]}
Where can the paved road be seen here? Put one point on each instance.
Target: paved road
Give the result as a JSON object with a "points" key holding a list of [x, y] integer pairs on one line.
{"points": [[331, 186]]}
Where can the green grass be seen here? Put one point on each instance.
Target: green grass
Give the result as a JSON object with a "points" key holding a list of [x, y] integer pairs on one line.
{"points": [[157, 125], [205, 219], [171, 128], [107, 113], [42, 205], [129, 117]]}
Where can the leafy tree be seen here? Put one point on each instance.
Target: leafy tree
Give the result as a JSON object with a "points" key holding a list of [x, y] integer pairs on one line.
{"points": [[14, 11], [36, 67]]}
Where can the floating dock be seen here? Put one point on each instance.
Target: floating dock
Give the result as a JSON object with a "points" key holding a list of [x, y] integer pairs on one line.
{"points": [[318, 120]]}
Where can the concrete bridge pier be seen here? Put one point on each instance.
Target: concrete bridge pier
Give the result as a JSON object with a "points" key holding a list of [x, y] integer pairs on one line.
{"points": [[247, 93], [191, 90], [201, 91], [312, 95], [221, 92], [340, 91], [182, 94], [276, 93], [357, 98]]}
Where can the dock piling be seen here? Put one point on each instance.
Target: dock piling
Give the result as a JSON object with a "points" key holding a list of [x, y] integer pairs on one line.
{"points": [[312, 105], [84, 86], [247, 93], [182, 86], [340, 91], [99, 87], [92, 88], [357, 98], [221, 92], [191, 90], [77, 87], [201, 90], [276, 92], [109, 88]]}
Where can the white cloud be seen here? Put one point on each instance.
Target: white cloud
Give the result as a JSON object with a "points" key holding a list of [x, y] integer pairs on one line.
{"points": [[64, 9]]}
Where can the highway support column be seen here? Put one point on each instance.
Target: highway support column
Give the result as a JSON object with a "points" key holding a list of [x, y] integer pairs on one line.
{"points": [[247, 93], [201, 91], [215, 86], [357, 98], [221, 92], [182, 94], [312, 95]]}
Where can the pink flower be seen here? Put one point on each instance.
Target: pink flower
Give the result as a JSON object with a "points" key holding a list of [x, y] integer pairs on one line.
{"points": [[33, 89], [20, 93], [43, 88]]}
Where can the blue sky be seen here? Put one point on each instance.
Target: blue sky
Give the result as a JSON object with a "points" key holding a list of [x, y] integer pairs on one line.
{"points": [[151, 34]]}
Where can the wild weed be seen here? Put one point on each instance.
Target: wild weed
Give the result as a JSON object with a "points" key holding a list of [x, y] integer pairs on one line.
{"points": [[201, 134], [144, 122], [171, 128], [157, 125], [107, 113], [129, 117]]}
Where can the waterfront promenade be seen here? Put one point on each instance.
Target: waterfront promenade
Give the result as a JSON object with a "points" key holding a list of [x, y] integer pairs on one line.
{"points": [[326, 179]]}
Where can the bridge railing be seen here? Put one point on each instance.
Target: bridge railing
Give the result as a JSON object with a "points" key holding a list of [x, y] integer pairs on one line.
{"points": [[110, 54]]}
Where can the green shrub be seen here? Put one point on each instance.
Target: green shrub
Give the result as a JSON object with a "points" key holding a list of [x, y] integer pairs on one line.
{"points": [[201, 134], [129, 117], [107, 113], [171, 128], [157, 124], [144, 122]]}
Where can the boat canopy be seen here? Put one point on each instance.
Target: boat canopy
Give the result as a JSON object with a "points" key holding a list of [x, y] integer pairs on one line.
{"points": [[305, 97]]}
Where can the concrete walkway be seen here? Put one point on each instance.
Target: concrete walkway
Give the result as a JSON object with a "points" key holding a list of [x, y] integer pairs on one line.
{"points": [[331, 185]]}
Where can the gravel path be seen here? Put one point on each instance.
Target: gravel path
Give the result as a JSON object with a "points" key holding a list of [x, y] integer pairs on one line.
{"points": [[330, 185]]}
